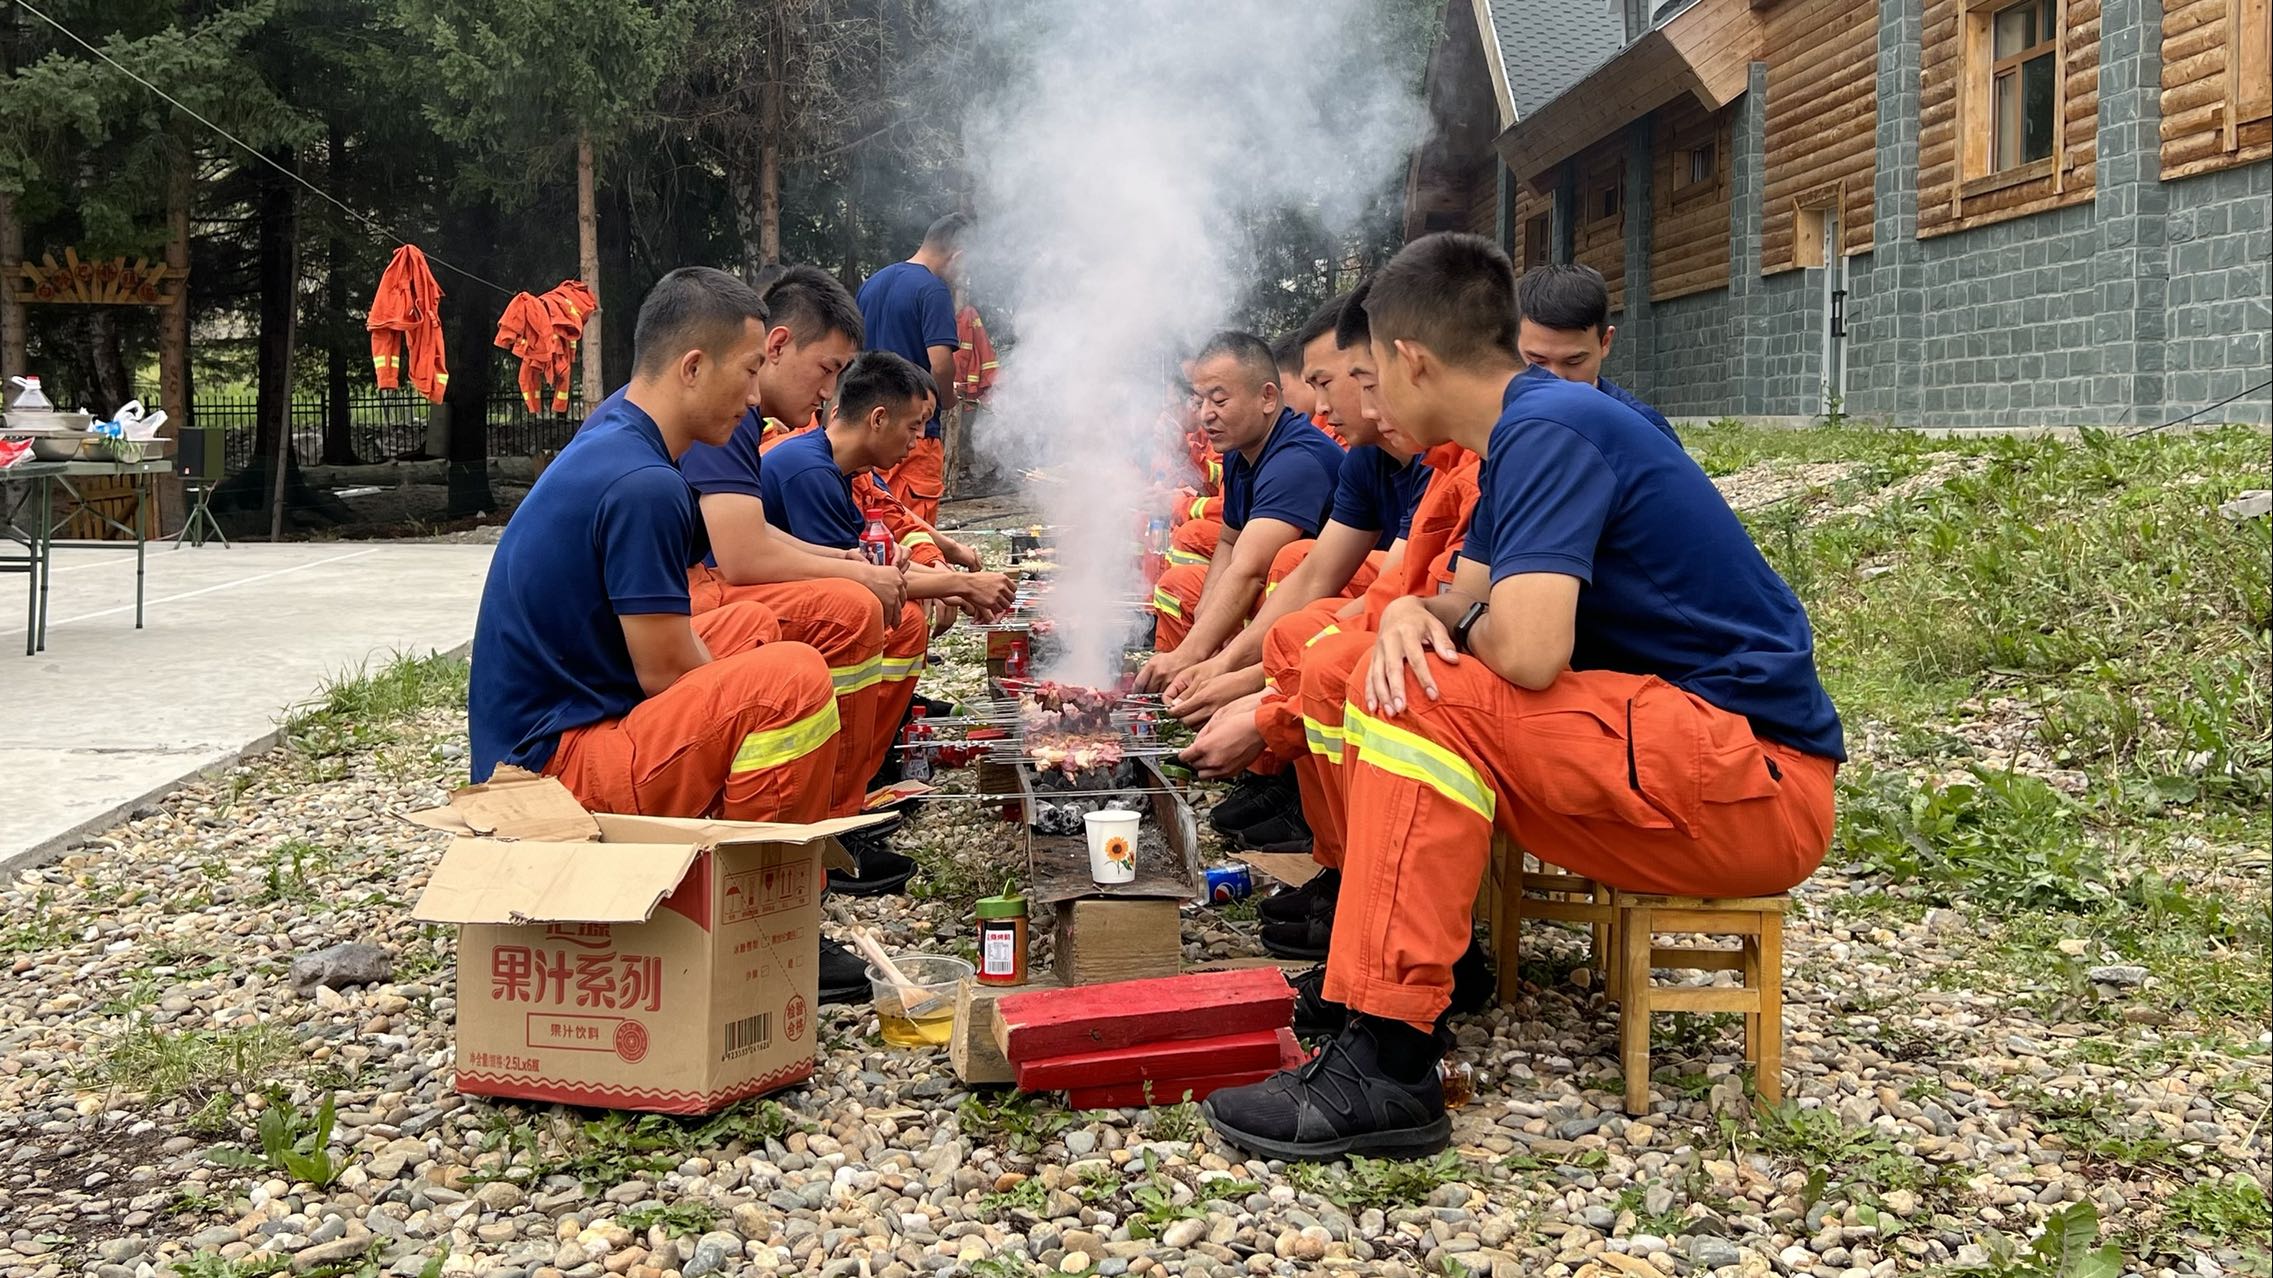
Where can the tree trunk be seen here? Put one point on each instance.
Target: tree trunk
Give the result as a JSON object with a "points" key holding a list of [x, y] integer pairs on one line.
{"points": [[279, 314], [588, 264], [616, 264], [471, 356], [11, 310], [339, 416], [770, 93], [174, 389], [110, 383]]}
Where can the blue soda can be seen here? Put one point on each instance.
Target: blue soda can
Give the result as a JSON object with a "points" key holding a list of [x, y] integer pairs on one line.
{"points": [[1229, 883]]}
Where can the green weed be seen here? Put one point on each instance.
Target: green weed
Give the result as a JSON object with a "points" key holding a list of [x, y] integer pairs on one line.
{"points": [[678, 1220], [42, 928], [363, 709], [2066, 1249], [1180, 1122], [209, 1264], [1381, 1183], [2233, 1210], [2002, 840], [1022, 1124], [1028, 1195], [195, 1064]]}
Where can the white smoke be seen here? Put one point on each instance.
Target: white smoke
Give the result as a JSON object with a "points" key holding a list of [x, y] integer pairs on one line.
{"points": [[1116, 168]]}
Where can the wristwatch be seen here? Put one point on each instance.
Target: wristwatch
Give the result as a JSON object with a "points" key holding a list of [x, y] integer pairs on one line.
{"points": [[1467, 623]]}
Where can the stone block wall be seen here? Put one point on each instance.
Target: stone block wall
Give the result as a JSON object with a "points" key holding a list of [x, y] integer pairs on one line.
{"points": [[2007, 324], [2221, 295], [1690, 373]]}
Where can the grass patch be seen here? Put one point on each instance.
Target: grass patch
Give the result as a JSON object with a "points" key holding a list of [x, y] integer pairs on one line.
{"points": [[678, 1220], [618, 1146], [1858, 1164], [197, 1065], [1020, 1123], [40, 929], [1378, 1182], [2231, 1211], [367, 708]]}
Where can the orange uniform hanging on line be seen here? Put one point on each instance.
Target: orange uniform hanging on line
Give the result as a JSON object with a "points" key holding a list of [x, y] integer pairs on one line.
{"points": [[975, 364], [406, 318], [542, 333]]}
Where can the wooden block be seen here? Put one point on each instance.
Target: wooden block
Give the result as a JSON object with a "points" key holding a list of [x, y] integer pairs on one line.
{"points": [[1092, 1018], [972, 1050], [1174, 1090], [1117, 940], [1181, 1058]]}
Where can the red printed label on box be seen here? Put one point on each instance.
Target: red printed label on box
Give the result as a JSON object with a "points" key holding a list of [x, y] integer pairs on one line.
{"points": [[575, 978], [765, 890]]}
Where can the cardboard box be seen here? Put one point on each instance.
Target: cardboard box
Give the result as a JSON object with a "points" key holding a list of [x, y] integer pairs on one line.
{"points": [[1116, 939], [625, 962]]}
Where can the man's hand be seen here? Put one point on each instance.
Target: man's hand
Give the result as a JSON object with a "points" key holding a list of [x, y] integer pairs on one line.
{"points": [[1408, 632], [1205, 698], [988, 593], [958, 554], [1164, 668], [1193, 676], [890, 586], [942, 614], [1229, 742]]}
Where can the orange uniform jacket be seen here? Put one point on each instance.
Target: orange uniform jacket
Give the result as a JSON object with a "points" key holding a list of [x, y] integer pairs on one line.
{"points": [[406, 317], [975, 363], [542, 332]]}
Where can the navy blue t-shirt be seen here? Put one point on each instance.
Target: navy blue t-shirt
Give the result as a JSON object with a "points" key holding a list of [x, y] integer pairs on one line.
{"points": [[608, 531], [1627, 397], [1576, 483], [1293, 478], [1377, 493], [907, 310], [731, 467], [806, 495]]}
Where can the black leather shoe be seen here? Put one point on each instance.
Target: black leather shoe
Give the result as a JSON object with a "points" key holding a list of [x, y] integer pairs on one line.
{"points": [[844, 975], [1343, 1102], [1306, 939], [1293, 907], [1251, 799], [1315, 1015], [882, 871]]}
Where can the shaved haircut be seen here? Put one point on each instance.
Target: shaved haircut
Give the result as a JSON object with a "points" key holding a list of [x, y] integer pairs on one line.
{"points": [[694, 308], [1351, 328], [880, 377], [1250, 352], [1450, 292], [811, 304], [946, 234], [1321, 323]]}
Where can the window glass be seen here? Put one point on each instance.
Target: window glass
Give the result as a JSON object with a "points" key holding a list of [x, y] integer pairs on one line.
{"points": [[2036, 102]]}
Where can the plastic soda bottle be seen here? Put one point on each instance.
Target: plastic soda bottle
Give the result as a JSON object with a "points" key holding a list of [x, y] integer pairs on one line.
{"points": [[915, 765], [876, 541]]}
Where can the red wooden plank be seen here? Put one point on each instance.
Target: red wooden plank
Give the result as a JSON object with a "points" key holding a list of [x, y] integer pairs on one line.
{"points": [[1178, 1058], [1170, 1091], [1091, 1018]]}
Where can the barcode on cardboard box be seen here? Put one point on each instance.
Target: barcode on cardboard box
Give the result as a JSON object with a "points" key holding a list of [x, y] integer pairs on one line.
{"points": [[749, 1033]]}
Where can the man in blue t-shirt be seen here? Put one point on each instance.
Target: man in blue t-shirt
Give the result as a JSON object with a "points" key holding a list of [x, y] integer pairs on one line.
{"points": [[1279, 473], [1617, 678], [882, 402], [909, 309], [586, 666], [1566, 329]]}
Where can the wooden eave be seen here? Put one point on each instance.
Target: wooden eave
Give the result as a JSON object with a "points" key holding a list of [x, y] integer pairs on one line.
{"points": [[1706, 52]]}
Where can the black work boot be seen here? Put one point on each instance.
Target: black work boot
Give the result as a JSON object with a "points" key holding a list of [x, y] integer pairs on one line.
{"points": [[1252, 798], [1316, 1016], [882, 871], [1294, 906], [844, 975], [1373, 1091]]}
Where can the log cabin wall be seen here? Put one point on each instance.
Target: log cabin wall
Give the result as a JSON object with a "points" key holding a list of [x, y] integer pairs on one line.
{"points": [[1821, 144], [1534, 228], [1600, 238], [1689, 189], [2217, 108], [1957, 189]]}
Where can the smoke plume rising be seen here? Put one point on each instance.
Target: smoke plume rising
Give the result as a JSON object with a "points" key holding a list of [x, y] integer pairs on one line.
{"points": [[1117, 167]]}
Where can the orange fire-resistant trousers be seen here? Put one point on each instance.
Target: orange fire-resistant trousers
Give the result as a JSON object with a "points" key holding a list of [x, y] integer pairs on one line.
{"points": [[1195, 540], [1290, 557], [920, 479], [872, 670], [752, 736], [1193, 506], [1622, 778]]}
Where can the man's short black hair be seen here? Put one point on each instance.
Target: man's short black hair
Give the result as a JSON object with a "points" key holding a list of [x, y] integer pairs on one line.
{"points": [[694, 308], [1451, 292], [880, 377], [1287, 354], [946, 233], [1252, 354], [811, 304], [1564, 297], [1320, 324], [1350, 327]]}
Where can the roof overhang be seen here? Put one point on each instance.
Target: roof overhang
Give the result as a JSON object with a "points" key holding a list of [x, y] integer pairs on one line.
{"points": [[1706, 52]]}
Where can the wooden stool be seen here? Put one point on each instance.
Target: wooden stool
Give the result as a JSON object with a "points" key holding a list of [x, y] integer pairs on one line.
{"points": [[1758, 924], [1518, 891]]}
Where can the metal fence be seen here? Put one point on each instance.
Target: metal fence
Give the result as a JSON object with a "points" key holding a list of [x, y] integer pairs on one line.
{"points": [[382, 425]]}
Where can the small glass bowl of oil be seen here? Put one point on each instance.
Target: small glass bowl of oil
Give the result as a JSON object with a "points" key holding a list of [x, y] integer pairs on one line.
{"points": [[920, 1012]]}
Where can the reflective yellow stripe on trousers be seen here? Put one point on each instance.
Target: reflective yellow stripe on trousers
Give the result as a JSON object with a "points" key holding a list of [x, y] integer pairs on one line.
{"points": [[1325, 739], [1185, 557], [846, 680], [1395, 750], [1166, 603], [777, 746], [898, 668]]}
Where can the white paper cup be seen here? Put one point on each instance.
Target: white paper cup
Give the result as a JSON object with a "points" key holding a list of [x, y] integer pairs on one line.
{"points": [[1112, 845]]}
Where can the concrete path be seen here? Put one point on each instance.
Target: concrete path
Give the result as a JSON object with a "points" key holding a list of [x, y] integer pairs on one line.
{"points": [[109, 716]]}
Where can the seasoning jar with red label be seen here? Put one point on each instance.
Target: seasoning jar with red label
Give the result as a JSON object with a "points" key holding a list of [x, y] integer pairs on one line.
{"points": [[1002, 938]]}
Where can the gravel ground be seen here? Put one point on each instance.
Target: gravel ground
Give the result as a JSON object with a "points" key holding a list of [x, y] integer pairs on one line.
{"points": [[149, 1025]]}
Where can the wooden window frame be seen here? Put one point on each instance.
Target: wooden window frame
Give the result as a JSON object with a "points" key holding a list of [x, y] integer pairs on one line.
{"points": [[1976, 98], [1538, 234], [1603, 179], [1685, 149], [2249, 98]]}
